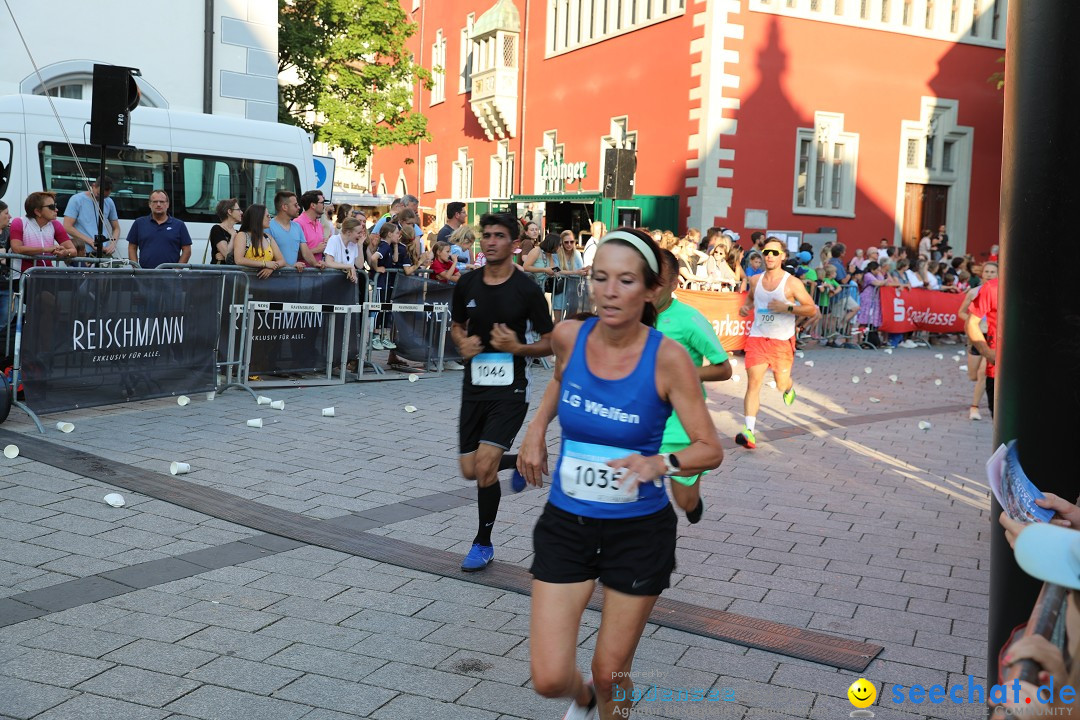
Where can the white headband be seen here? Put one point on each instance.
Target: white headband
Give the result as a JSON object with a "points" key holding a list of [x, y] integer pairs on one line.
{"points": [[640, 245]]}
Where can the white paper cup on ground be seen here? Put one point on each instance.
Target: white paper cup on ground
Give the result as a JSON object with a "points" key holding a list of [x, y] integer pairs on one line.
{"points": [[874, 400], [937, 381], [179, 468], [328, 412], [924, 425], [956, 358], [939, 356], [799, 354], [278, 404], [211, 395], [11, 452], [734, 362], [734, 378], [868, 370], [809, 363], [964, 368], [114, 499], [893, 378], [263, 400], [183, 400], [772, 384], [855, 379], [888, 351], [257, 422], [64, 427], [413, 377], [410, 408]]}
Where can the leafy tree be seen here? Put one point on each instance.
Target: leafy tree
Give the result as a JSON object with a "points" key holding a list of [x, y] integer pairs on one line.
{"points": [[355, 74]]}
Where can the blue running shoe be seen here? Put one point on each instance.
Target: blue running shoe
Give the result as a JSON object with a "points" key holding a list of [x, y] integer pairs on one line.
{"points": [[479, 557], [517, 481]]}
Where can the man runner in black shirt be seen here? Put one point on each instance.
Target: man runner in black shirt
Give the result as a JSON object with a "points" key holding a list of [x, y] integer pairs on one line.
{"points": [[492, 309]]}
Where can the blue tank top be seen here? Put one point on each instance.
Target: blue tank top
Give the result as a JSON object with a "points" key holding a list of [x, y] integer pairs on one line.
{"points": [[603, 420]]}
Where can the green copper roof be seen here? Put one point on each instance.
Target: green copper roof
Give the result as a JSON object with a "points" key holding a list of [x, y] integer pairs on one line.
{"points": [[503, 16]]}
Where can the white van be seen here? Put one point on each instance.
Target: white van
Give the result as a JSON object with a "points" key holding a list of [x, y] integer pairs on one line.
{"points": [[198, 159]]}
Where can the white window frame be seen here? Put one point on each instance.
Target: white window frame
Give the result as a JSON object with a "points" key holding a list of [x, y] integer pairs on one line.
{"points": [[503, 161], [550, 150], [438, 68], [465, 58], [975, 19], [431, 173], [461, 175], [574, 24], [833, 162]]}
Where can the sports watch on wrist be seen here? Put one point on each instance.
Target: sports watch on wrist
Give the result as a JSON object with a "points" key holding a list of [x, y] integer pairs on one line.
{"points": [[671, 464]]}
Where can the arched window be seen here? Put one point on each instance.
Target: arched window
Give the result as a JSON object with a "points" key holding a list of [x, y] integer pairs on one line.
{"points": [[75, 79]]}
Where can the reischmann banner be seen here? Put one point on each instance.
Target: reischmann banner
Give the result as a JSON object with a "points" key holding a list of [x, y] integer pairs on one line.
{"points": [[97, 337]]}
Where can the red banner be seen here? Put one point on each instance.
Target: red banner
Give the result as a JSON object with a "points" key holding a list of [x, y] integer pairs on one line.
{"points": [[917, 309], [721, 309]]}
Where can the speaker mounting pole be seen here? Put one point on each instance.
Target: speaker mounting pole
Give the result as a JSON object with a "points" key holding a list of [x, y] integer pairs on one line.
{"points": [[116, 94]]}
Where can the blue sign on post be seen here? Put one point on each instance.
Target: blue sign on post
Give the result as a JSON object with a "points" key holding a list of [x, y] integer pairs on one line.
{"points": [[324, 174]]}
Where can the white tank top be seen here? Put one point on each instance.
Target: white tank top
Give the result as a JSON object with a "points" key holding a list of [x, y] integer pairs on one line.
{"points": [[769, 324]]}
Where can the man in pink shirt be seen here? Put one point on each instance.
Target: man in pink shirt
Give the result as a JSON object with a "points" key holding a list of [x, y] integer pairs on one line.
{"points": [[312, 203]]}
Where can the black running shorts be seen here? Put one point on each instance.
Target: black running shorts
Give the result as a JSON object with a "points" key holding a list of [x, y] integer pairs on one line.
{"points": [[635, 556], [492, 422]]}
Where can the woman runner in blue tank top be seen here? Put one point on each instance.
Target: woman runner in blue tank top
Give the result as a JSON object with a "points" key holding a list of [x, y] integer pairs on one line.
{"points": [[608, 517]]}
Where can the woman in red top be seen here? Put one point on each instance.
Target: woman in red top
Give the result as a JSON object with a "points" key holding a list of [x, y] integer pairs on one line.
{"points": [[443, 267]]}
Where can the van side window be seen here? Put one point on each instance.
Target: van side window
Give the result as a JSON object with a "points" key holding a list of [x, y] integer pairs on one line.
{"points": [[135, 174], [194, 182], [207, 179]]}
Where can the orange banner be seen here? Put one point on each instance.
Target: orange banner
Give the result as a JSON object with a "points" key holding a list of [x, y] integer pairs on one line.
{"points": [[721, 309]]}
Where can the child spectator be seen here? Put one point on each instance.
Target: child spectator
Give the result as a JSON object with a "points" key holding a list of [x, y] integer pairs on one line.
{"points": [[443, 267]]}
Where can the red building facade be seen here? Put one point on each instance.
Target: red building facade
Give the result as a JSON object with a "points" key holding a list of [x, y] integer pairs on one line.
{"points": [[868, 118]]}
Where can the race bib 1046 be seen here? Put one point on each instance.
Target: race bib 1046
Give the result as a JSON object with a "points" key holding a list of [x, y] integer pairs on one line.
{"points": [[492, 369], [585, 475]]}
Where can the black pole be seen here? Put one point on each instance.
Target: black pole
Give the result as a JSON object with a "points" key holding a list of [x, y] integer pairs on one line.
{"points": [[1039, 322], [99, 239]]}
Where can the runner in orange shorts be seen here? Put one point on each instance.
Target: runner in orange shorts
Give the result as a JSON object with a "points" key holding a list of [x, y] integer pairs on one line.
{"points": [[777, 298]]}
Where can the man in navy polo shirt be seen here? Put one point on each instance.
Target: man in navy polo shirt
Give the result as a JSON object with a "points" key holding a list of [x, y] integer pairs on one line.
{"points": [[158, 238]]}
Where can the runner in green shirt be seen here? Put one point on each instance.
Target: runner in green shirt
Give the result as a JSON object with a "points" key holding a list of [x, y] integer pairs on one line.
{"points": [[688, 327]]}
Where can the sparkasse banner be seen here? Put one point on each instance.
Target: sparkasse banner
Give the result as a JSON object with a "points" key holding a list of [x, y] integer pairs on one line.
{"points": [[721, 309], [917, 309], [96, 337]]}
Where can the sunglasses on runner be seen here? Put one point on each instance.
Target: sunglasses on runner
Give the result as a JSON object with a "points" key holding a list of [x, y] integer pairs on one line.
{"points": [[770, 251]]}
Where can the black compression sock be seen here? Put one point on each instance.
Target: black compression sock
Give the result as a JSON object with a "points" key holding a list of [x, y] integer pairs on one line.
{"points": [[487, 499], [508, 461], [694, 516]]}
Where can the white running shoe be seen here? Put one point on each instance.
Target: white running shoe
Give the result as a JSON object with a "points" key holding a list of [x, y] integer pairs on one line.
{"points": [[587, 712], [973, 414], [452, 365], [388, 345], [377, 343], [909, 344]]}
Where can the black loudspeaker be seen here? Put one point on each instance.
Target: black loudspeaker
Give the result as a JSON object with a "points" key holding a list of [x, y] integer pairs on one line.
{"points": [[115, 95], [619, 169]]}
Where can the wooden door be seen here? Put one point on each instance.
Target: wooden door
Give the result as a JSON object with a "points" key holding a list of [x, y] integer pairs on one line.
{"points": [[913, 203], [925, 208]]}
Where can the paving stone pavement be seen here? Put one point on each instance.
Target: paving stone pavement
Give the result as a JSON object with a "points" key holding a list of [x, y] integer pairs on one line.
{"points": [[872, 529]]}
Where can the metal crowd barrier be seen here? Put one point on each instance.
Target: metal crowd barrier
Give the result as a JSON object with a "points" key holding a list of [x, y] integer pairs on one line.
{"points": [[837, 309], [83, 385], [232, 371], [8, 294]]}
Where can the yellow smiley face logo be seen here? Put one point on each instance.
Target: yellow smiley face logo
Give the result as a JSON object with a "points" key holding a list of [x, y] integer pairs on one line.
{"points": [[862, 693]]}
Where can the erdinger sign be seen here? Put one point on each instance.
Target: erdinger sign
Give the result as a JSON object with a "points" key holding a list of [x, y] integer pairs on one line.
{"points": [[555, 170], [721, 309], [917, 309]]}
